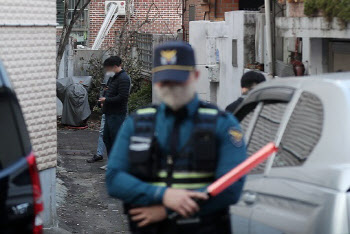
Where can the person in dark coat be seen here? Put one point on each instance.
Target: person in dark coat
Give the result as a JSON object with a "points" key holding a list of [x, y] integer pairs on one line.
{"points": [[248, 82], [115, 102]]}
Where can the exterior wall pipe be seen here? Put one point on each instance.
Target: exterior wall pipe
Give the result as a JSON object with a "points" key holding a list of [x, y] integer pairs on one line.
{"points": [[104, 26], [268, 36], [109, 28]]}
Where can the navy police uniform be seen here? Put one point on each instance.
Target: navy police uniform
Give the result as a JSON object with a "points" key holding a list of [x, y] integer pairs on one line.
{"points": [[158, 148]]}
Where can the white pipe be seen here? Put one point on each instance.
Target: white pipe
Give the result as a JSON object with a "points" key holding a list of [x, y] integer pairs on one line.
{"points": [[110, 25], [108, 28], [268, 36], [102, 32], [106, 31], [104, 25]]}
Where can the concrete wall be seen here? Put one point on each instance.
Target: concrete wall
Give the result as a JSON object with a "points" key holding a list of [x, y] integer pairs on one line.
{"points": [[317, 33], [318, 57], [81, 60], [209, 10], [28, 51], [314, 27], [212, 41]]}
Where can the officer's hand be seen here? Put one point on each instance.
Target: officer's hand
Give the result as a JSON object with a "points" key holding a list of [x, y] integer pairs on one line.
{"points": [[181, 201], [145, 216]]}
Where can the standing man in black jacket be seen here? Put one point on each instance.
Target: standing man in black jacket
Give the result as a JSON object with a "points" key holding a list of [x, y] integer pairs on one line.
{"points": [[115, 102], [248, 82]]}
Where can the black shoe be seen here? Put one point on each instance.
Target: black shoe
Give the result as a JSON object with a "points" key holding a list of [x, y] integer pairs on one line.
{"points": [[95, 158]]}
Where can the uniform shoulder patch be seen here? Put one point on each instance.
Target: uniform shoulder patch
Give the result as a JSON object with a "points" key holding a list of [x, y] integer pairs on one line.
{"points": [[236, 136]]}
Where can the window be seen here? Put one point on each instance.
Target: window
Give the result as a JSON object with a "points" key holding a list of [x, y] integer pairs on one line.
{"points": [[302, 133], [83, 20], [234, 53], [265, 129], [80, 28], [145, 50], [192, 13], [14, 139], [60, 12]]}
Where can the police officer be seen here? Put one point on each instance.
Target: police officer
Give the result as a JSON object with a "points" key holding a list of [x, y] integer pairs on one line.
{"points": [[166, 155]]}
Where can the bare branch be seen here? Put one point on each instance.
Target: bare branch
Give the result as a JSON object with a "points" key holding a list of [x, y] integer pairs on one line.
{"points": [[146, 21], [76, 7], [67, 29], [66, 4], [81, 10]]}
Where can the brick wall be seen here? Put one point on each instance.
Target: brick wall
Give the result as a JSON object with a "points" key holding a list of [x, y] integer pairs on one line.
{"points": [[206, 10], [165, 16]]}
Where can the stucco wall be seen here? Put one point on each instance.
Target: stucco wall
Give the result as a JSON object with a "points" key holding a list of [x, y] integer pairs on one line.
{"points": [[28, 51]]}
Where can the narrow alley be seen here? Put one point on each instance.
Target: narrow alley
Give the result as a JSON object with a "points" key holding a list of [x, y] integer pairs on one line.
{"points": [[83, 203]]}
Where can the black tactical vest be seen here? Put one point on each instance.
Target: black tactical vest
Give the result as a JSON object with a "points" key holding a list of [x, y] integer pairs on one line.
{"points": [[148, 163]]}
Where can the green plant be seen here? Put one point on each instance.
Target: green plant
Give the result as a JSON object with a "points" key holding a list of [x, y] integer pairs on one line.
{"points": [[95, 70], [142, 97], [310, 8], [133, 68], [330, 9]]}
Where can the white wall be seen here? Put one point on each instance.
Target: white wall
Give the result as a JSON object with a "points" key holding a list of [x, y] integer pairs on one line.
{"points": [[209, 37], [315, 55]]}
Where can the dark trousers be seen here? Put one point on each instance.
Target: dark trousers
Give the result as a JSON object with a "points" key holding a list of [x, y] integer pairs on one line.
{"points": [[112, 126], [209, 225]]}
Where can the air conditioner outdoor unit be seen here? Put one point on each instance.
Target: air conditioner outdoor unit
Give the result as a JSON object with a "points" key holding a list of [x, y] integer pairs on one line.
{"points": [[121, 6]]}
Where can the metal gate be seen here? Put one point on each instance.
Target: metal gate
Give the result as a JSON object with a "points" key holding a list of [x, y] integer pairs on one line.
{"points": [[145, 43]]}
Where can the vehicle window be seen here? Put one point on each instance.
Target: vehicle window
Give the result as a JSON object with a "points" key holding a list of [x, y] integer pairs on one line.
{"points": [[265, 129], [302, 133], [22, 128], [14, 142]]}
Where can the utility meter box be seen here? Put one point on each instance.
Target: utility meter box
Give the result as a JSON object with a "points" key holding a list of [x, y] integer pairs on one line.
{"points": [[121, 6]]}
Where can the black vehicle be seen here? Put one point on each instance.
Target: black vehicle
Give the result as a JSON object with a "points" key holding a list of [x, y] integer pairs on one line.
{"points": [[20, 192]]}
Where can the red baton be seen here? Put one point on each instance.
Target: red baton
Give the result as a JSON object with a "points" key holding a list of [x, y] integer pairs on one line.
{"points": [[236, 173], [242, 169]]}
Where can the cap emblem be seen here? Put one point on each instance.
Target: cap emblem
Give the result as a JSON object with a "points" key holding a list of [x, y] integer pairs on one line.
{"points": [[168, 57]]}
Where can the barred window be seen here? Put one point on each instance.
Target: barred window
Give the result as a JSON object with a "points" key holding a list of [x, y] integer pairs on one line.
{"points": [[60, 12], [265, 129], [83, 20], [302, 133]]}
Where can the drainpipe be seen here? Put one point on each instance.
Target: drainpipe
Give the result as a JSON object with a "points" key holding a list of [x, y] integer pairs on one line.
{"points": [[215, 7], [268, 36], [183, 20]]}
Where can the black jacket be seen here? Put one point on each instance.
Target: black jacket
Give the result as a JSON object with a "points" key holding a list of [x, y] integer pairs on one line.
{"points": [[233, 106], [117, 94]]}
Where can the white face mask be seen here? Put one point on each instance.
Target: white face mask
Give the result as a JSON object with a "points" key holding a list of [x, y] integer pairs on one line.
{"points": [[176, 96], [110, 74]]}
